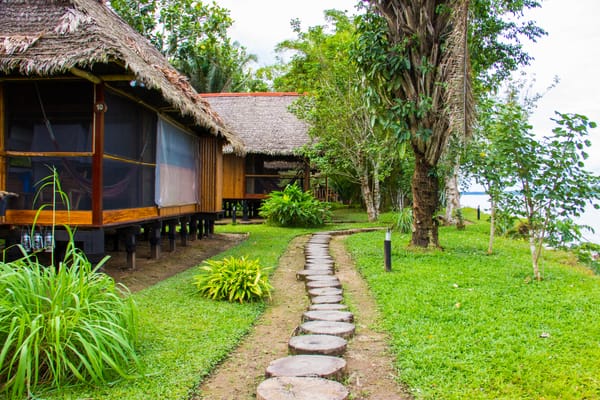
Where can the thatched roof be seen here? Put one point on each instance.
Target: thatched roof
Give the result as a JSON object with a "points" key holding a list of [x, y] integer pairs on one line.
{"points": [[88, 39], [262, 120]]}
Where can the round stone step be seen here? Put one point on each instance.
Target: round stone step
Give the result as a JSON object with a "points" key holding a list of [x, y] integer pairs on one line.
{"points": [[328, 307], [318, 264], [300, 388], [325, 291], [308, 365], [341, 329], [325, 345], [301, 275], [319, 259], [328, 315], [326, 299], [318, 278], [332, 283]]}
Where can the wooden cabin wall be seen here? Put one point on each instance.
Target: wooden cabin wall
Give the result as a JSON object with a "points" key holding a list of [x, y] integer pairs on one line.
{"points": [[210, 175], [234, 186]]}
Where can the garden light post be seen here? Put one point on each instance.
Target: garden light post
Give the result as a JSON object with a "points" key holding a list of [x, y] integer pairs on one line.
{"points": [[387, 250]]}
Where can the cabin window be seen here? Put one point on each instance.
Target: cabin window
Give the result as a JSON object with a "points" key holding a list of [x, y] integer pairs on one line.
{"points": [[177, 166], [129, 154], [48, 125]]}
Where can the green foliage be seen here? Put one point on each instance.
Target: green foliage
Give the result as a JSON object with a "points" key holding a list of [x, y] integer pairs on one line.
{"points": [[294, 207], [233, 279], [404, 222], [588, 254], [193, 36], [467, 325], [347, 146], [61, 325]]}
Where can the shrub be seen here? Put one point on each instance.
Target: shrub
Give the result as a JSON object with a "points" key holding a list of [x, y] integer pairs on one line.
{"points": [[62, 325], [233, 279], [293, 207], [405, 220]]}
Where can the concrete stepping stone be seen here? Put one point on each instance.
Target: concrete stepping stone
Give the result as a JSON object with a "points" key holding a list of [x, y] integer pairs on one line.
{"points": [[301, 388], [301, 275], [326, 299], [341, 329], [308, 365], [325, 345], [325, 291], [328, 306], [333, 283], [328, 315]]}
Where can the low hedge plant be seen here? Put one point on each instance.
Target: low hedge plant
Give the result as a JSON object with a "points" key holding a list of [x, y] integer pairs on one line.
{"points": [[233, 279]]}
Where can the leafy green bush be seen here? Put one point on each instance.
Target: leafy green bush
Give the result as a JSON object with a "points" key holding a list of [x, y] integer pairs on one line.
{"points": [[62, 325], [405, 220], [233, 279], [293, 207]]}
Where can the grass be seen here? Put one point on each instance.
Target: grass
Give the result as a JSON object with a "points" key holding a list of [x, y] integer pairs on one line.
{"points": [[184, 336], [468, 325]]}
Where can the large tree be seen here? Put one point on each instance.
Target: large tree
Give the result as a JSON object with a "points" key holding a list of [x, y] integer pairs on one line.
{"points": [[193, 36], [422, 56], [347, 144]]}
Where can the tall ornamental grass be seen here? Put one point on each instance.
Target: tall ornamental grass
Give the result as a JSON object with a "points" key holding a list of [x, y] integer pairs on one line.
{"points": [[62, 325]]}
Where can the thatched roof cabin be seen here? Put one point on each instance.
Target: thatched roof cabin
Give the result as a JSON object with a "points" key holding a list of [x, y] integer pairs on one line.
{"points": [[262, 120], [272, 137], [86, 38]]}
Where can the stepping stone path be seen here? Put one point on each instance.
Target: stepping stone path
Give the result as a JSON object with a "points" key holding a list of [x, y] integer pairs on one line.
{"points": [[315, 367]]}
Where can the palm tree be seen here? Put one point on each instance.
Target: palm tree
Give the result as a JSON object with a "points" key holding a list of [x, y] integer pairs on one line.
{"points": [[432, 89]]}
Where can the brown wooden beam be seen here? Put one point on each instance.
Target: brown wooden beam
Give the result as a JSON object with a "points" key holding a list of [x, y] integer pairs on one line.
{"points": [[3, 170], [97, 158]]}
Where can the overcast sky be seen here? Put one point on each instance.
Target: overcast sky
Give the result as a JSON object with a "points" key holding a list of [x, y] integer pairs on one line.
{"points": [[571, 50]]}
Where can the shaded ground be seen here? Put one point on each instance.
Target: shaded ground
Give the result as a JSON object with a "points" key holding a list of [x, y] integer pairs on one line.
{"points": [[150, 271]]}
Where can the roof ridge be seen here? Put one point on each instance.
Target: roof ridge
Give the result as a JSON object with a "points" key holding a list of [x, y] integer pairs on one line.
{"points": [[250, 94]]}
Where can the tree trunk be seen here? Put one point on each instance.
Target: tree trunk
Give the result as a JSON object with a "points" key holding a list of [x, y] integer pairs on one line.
{"points": [[425, 188], [535, 255], [452, 196], [368, 198], [492, 226]]}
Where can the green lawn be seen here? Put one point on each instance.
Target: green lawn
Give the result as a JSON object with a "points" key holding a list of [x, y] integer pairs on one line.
{"points": [[184, 336], [465, 325]]}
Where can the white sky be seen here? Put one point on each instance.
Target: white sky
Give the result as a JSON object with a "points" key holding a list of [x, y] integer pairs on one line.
{"points": [[571, 50]]}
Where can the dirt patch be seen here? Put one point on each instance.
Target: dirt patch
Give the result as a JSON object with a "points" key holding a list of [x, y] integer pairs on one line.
{"points": [[151, 271], [370, 371]]}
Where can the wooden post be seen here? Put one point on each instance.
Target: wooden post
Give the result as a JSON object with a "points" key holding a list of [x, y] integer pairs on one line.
{"points": [[183, 222], [193, 227], [155, 232], [98, 151], [3, 170], [130, 248], [172, 224]]}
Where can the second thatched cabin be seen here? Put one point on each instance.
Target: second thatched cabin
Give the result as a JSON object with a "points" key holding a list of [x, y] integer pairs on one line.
{"points": [[133, 144], [272, 137]]}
